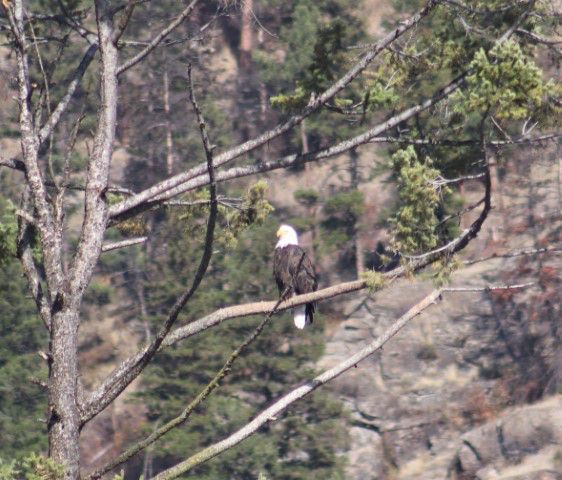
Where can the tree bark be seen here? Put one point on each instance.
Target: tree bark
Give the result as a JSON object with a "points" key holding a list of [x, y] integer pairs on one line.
{"points": [[64, 414], [64, 419]]}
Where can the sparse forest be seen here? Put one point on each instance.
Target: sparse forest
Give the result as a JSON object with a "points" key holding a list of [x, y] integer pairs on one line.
{"points": [[149, 151]]}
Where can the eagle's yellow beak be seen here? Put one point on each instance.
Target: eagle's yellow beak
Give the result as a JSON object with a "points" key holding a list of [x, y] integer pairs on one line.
{"points": [[279, 232]]}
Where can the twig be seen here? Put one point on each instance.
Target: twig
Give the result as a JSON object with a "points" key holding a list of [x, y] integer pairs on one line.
{"points": [[488, 288], [455, 143], [107, 247], [59, 199], [517, 253], [124, 20], [461, 212], [440, 181], [157, 39]]}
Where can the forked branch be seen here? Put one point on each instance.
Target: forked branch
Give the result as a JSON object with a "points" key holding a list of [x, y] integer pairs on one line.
{"points": [[116, 384], [186, 413]]}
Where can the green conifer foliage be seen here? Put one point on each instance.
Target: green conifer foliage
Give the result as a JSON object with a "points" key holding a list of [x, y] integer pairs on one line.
{"points": [[22, 403], [415, 222], [506, 83]]}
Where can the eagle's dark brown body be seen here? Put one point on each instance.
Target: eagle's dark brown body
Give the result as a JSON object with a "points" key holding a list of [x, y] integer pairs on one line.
{"points": [[292, 268]]}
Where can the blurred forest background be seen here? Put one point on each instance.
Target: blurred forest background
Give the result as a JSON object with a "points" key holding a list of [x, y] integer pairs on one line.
{"points": [[427, 406]]}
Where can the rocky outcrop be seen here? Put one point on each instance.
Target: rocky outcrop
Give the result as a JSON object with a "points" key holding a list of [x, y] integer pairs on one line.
{"points": [[526, 439]]}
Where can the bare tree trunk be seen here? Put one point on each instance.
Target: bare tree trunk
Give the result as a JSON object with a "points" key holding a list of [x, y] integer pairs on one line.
{"points": [[169, 140], [246, 38], [354, 177], [64, 416], [64, 419], [497, 188]]}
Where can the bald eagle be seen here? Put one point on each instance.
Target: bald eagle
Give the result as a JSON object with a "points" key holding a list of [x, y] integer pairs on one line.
{"points": [[294, 272]]}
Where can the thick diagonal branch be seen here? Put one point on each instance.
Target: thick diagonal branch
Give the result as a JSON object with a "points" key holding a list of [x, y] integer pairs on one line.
{"points": [[298, 158], [186, 413], [271, 413], [314, 105]]}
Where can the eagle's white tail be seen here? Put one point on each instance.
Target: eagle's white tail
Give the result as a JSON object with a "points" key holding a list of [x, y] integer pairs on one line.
{"points": [[300, 317]]}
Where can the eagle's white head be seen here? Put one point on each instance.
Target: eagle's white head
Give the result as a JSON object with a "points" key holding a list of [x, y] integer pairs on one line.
{"points": [[287, 235]]}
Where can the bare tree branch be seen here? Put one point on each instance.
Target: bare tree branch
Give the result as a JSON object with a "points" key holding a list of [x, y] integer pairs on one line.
{"points": [[107, 247], [111, 389], [25, 255], [156, 40], [74, 81], [460, 213], [13, 163], [517, 253], [96, 208], [295, 159], [59, 199], [271, 413], [519, 21], [314, 104], [460, 143], [51, 242], [440, 181], [186, 413], [537, 38], [488, 288], [124, 20]]}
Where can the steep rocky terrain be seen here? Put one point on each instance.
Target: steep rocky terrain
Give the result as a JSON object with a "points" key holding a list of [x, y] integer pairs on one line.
{"points": [[435, 402]]}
